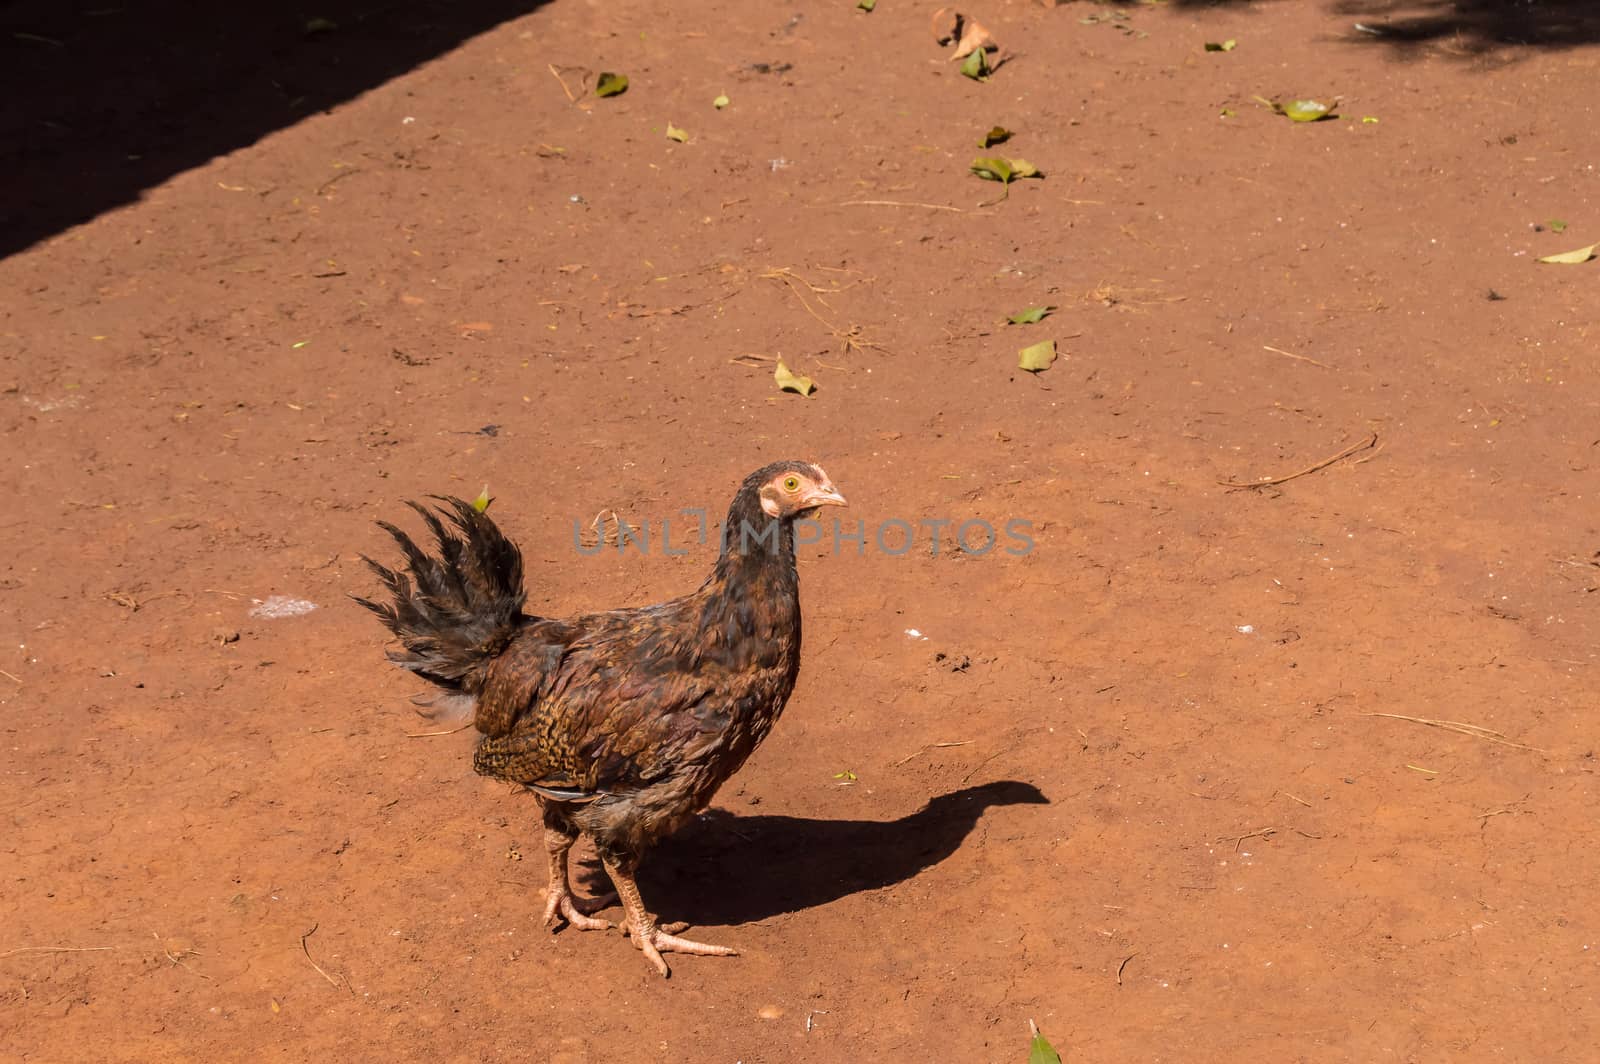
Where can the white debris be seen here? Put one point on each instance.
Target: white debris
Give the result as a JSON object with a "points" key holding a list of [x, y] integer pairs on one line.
{"points": [[1246, 629], [281, 606]]}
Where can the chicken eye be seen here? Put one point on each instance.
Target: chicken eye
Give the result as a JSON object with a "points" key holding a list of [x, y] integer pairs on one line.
{"points": [[791, 484]]}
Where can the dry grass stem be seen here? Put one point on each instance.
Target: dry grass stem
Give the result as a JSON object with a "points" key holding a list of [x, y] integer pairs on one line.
{"points": [[1354, 448]]}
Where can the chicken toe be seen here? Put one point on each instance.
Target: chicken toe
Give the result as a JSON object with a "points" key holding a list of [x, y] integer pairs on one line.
{"points": [[651, 939]]}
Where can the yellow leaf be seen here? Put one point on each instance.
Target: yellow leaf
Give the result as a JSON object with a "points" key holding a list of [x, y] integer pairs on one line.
{"points": [[1037, 357], [1572, 258], [481, 503], [674, 133], [789, 382]]}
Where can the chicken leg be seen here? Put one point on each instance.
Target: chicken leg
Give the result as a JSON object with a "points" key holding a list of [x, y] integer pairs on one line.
{"points": [[559, 903], [641, 926]]}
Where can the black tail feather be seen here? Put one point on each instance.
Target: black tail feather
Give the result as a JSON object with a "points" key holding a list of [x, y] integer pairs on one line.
{"points": [[454, 612]]}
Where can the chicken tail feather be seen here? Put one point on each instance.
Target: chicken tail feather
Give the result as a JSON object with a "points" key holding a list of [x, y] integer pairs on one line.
{"points": [[455, 609]]}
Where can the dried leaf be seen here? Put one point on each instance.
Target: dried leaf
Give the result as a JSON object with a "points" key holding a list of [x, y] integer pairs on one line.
{"points": [[1224, 46], [481, 503], [1031, 316], [1572, 258], [789, 382], [1037, 358], [609, 84], [974, 38], [720, 102], [997, 135], [679, 135], [946, 25], [867, 5]]}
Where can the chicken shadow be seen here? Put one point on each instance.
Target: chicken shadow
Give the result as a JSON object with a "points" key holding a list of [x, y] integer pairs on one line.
{"points": [[730, 869]]}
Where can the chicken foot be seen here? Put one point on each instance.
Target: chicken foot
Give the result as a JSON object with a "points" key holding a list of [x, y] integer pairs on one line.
{"points": [[559, 902], [642, 928]]}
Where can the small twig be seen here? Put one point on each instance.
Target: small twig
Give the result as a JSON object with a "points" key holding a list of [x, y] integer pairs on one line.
{"points": [[1291, 354], [10, 677], [1474, 730], [570, 98], [899, 203], [1292, 798], [55, 949], [931, 746], [1238, 840], [336, 178], [1325, 463], [985, 761], [1123, 965], [307, 951]]}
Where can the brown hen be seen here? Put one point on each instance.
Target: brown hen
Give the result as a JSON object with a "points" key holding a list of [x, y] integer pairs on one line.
{"points": [[623, 724]]}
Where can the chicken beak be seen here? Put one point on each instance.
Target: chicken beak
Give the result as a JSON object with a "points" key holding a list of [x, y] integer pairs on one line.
{"points": [[827, 495]]}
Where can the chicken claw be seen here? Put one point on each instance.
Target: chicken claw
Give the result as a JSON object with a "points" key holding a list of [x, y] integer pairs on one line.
{"points": [[560, 905]]}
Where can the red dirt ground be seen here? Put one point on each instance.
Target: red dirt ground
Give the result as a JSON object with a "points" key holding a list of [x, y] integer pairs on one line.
{"points": [[211, 393]]}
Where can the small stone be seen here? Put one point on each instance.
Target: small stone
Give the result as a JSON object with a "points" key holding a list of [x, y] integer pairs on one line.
{"points": [[226, 635]]}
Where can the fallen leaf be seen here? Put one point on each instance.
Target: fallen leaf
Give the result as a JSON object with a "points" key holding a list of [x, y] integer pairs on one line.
{"points": [[1030, 316], [1303, 110], [977, 66], [1223, 46], [867, 5], [1557, 225], [481, 503], [1369, 120], [1042, 1052], [995, 169], [674, 133], [720, 102], [318, 25], [1228, 112], [997, 135], [1035, 358], [946, 25], [973, 38], [1572, 258], [1021, 168], [788, 382], [609, 84]]}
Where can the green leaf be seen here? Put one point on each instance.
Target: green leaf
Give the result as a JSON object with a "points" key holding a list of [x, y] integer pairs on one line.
{"points": [[609, 84], [1003, 170], [1572, 258], [1557, 225], [997, 135], [1036, 358], [1041, 1051], [1031, 316], [1228, 112], [481, 503], [1305, 110], [996, 169], [867, 5], [679, 135], [720, 102], [976, 65], [789, 382], [1369, 120], [1225, 46]]}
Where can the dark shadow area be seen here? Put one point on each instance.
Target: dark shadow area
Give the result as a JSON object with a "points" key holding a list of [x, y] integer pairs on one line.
{"points": [[105, 99], [1469, 27], [727, 869], [1473, 27]]}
